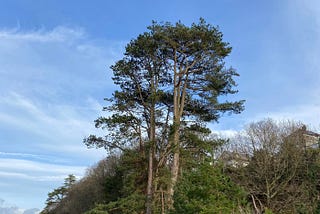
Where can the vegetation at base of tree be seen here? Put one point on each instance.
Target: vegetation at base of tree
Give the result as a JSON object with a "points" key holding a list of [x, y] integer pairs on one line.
{"points": [[206, 189], [208, 183]]}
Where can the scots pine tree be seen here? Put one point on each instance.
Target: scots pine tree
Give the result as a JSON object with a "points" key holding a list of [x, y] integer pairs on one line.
{"points": [[171, 79]]}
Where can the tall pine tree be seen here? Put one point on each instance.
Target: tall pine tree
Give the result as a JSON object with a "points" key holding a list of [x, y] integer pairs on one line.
{"points": [[170, 80]]}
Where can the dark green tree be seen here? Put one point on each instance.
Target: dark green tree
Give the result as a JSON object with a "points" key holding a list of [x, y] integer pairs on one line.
{"points": [[171, 78], [57, 195]]}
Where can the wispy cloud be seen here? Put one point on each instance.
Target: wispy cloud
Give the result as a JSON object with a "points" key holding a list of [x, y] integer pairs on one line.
{"points": [[57, 64], [59, 34], [19, 178], [51, 127], [52, 87], [60, 89], [25, 165]]}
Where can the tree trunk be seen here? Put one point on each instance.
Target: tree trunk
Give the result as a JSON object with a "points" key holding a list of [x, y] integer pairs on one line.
{"points": [[150, 180], [152, 138], [174, 169], [176, 136]]}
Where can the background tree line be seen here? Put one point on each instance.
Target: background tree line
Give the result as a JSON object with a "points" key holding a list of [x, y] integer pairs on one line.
{"points": [[266, 168], [173, 81]]}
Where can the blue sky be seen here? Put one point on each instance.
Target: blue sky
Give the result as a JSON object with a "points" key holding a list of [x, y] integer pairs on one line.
{"points": [[54, 73]]}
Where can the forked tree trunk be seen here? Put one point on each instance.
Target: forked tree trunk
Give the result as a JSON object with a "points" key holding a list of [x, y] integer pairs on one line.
{"points": [[179, 95]]}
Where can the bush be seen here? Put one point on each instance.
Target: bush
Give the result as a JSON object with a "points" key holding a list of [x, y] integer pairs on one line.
{"points": [[206, 189]]}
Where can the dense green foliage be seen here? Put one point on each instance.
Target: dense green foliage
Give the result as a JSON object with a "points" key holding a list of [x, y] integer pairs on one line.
{"points": [[206, 189]]}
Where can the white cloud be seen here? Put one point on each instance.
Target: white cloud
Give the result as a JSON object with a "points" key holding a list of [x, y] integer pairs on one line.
{"points": [[12, 209], [39, 103], [57, 64], [26, 112], [308, 114], [16, 155], [58, 123], [31, 167], [31, 211], [226, 134], [19, 178], [58, 34], [52, 87]]}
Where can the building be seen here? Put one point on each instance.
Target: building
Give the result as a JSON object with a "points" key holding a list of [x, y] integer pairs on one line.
{"points": [[311, 139], [234, 159], [305, 138]]}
